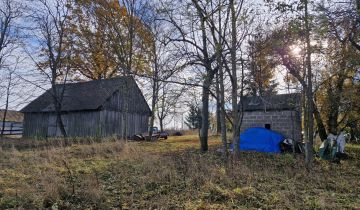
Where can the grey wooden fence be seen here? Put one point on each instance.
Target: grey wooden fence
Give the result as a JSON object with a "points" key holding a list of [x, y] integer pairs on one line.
{"points": [[12, 128]]}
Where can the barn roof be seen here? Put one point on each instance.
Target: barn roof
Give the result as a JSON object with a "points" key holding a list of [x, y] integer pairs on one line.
{"points": [[82, 96], [273, 102], [11, 116]]}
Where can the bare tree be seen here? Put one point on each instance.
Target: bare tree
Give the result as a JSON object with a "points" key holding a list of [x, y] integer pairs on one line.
{"points": [[50, 30], [342, 20], [159, 60], [7, 95], [12, 81], [10, 11], [218, 31], [232, 40], [168, 98], [192, 39], [309, 90], [155, 87], [236, 116], [301, 69]]}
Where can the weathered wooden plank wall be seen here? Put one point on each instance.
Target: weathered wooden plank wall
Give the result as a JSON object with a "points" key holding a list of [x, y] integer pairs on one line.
{"points": [[35, 125], [112, 123], [44, 125], [84, 124], [81, 124]]}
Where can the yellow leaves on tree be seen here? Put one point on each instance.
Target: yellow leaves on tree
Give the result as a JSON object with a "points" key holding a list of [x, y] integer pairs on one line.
{"points": [[338, 93], [109, 40]]}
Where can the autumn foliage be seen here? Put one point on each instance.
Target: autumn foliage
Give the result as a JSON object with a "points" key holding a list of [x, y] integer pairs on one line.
{"points": [[109, 40]]}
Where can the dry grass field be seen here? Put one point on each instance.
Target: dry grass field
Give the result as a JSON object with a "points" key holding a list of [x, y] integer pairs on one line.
{"points": [[168, 174]]}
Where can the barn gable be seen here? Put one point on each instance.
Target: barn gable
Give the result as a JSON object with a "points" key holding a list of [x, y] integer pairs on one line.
{"points": [[131, 93]]}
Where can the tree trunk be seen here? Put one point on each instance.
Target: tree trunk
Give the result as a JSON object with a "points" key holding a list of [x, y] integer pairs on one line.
{"points": [[209, 76], [124, 134], [154, 91], [234, 86], [218, 105], [305, 112], [240, 114], [222, 114], [205, 114], [333, 118], [152, 117], [162, 114], [319, 123], [61, 124], [57, 100], [161, 122], [220, 88], [4, 119], [336, 96], [6, 106], [59, 120], [309, 93]]}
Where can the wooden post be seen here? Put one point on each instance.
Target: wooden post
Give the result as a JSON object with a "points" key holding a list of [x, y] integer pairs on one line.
{"points": [[11, 127]]}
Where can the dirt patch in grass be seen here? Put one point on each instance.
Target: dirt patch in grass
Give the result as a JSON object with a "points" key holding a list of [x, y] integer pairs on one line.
{"points": [[171, 174]]}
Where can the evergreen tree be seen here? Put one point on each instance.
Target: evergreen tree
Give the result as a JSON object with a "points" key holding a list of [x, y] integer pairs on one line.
{"points": [[193, 119]]}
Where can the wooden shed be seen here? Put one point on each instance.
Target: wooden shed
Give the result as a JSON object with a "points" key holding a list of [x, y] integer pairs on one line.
{"points": [[281, 113], [90, 109]]}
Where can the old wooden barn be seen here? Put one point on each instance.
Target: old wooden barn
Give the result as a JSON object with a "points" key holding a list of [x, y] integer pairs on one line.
{"points": [[281, 113], [96, 108]]}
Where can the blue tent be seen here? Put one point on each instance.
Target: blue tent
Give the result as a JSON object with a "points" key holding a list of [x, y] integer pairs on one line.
{"points": [[261, 140]]}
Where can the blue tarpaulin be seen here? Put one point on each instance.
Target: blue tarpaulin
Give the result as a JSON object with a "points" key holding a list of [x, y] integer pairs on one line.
{"points": [[260, 140]]}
